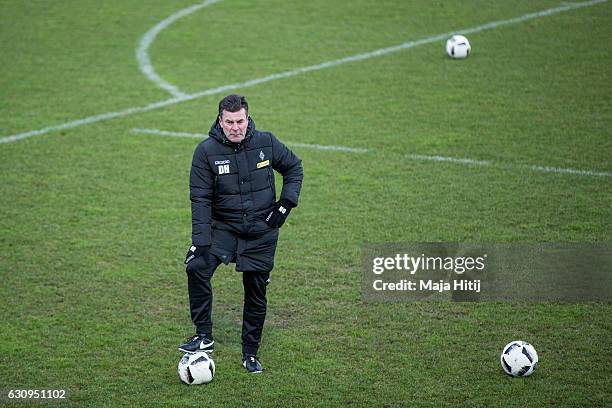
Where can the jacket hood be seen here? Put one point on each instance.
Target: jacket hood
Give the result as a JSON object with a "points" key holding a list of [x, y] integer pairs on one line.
{"points": [[216, 132]]}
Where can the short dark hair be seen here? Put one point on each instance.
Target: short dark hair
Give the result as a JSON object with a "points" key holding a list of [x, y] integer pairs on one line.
{"points": [[233, 103]]}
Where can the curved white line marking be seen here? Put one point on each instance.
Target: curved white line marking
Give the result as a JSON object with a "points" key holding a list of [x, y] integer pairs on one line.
{"points": [[359, 57], [142, 52]]}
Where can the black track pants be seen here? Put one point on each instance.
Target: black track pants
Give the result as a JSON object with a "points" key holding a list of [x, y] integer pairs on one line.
{"points": [[199, 274], [254, 311]]}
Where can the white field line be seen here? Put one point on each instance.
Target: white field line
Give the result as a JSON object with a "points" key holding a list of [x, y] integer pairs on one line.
{"points": [[537, 168], [548, 169], [142, 52], [166, 133], [419, 157], [328, 147], [449, 159], [286, 74]]}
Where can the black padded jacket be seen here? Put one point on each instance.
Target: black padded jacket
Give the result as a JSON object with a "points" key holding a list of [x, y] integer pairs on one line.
{"points": [[232, 185]]}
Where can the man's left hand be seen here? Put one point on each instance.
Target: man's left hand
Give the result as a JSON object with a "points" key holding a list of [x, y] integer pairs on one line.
{"points": [[276, 218], [195, 251]]}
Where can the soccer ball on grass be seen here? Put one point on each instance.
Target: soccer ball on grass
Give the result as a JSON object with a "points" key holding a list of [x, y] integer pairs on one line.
{"points": [[458, 47], [519, 359], [196, 368]]}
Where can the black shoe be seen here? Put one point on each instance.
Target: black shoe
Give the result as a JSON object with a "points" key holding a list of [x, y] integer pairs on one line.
{"points": [[197, 343], [251, 364]]}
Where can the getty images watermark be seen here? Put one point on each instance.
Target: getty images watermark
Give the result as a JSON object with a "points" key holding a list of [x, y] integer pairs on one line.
{"points": [[413, 264], [473, 272]]}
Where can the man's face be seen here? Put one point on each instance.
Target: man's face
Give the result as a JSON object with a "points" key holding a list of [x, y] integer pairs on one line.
{"points": [[234, 125]]}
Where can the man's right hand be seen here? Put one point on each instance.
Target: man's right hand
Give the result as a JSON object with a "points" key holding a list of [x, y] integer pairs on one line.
{"points": [[196, 251]]}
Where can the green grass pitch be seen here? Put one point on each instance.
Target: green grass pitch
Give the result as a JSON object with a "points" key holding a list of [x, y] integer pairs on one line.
{"points": [[95, 217]]}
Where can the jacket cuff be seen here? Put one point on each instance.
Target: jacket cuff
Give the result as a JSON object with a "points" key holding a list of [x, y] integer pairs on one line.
{"points": [[202, 237], [289, 195]]}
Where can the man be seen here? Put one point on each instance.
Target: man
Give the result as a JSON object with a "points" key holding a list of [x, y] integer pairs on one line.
{"points": [[236, 218]]}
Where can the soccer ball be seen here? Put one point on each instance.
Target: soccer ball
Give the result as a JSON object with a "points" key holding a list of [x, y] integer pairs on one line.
{"points": [[458, 47], [196, 368], [519, 359]]}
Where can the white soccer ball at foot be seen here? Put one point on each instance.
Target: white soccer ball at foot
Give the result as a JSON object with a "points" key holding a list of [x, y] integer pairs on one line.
{"points": [[196, 368]]}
